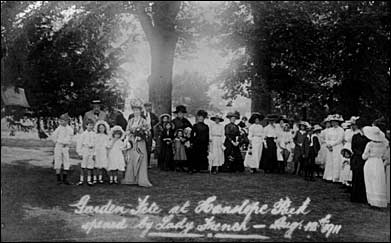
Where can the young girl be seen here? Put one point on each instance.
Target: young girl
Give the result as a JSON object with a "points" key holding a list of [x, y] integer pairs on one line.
{"points": [[115, 155], [85, 148], [101, 142], [179, 150], [166, 154]]}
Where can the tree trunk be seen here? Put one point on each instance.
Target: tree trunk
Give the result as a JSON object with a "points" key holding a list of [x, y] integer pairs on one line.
{"points": [[260, 92], [159, 27], [160, 82]]}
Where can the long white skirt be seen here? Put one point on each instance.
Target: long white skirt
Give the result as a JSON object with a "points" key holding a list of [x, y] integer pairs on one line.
{"points": [[328, 169], [375, 182], [216, 153], [252, 160]]}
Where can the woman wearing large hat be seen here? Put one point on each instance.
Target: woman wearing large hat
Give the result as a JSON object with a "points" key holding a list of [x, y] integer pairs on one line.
{"points": [[269, 153], [157, 133], [255, 136], [334, 143], [375, 178], [232, 155], [200, 139], [180, 122], [216, 153], [137, 159]]}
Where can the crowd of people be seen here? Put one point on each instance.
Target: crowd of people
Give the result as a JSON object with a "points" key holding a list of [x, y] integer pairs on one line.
{"points": [[352, 152]]}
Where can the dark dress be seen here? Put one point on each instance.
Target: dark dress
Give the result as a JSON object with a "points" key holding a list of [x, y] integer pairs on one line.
{"points": [[166, 160], [358, 193], [181, 123], [309, 160], [200, 142], [232, 155]]}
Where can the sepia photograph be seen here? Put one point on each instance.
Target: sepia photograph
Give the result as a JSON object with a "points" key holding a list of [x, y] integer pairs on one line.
{"points": [[195, 121]]}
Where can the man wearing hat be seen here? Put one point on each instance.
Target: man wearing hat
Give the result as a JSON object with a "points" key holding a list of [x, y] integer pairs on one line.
{"points": [[96, 114], [152, 119], [116, 117], [180, 122]]}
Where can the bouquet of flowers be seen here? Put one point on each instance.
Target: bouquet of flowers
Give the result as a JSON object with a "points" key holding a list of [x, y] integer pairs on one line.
{"points": [[140, 133]]}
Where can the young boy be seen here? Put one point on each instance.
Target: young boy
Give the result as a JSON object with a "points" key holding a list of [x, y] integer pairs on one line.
{"points": [[314, 147], [62, 137], [300, 154], [85, 148]]}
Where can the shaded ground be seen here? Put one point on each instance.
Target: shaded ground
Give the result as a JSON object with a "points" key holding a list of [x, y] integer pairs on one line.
{"points": [[34, 208]]}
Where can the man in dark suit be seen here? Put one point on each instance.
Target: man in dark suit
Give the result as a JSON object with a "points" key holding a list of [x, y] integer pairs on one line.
{"points": [[116, 117]]}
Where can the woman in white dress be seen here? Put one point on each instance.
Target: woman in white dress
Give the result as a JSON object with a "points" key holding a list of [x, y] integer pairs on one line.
{"points": [[216, 137], [334, 143], [285, 146], [324, 155], [375, 154], [256, 138]]}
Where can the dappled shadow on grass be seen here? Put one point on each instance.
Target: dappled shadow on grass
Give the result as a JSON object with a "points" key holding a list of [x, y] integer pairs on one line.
{"points": [[24, 184]]}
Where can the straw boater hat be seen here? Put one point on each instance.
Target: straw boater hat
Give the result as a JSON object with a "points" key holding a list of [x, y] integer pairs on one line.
{"points": [[117, 130], [233, 114], [180, 108], [374, 133], [317, 128], [104, 123], [202, 113], [217, 117], [96, 102], [65, 117], [283, 118], [254, 116]]}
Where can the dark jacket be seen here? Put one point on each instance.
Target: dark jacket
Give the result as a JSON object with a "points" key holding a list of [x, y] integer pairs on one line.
{"points": [[181, 123]]}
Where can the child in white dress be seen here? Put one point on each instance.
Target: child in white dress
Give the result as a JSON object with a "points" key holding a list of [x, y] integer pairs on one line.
{"points": [[85, 148], [102, 138], [115, 154]]}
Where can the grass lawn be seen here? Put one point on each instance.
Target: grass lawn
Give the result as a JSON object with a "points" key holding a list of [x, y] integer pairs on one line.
{"points": [[34, 208]]}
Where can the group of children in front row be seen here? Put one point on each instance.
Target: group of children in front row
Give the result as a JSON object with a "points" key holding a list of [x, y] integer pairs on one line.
{"points": [[100, 148]]}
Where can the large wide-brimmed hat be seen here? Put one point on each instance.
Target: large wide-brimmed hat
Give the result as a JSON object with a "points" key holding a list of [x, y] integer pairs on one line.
{"points": [[346, 124], [104, 123], [65, 117], [317, 128], [254, 116], [283, 118], [233, 114], [336, 117], [180, 108], [374, 133], [305, 124], [202, 113], [353, 119], [117, 130], [346, 151], [136, 104], [217, 117], [164, 115]]}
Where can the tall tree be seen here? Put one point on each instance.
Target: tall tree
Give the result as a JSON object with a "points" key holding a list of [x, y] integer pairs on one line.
{"points": [[158, 20]]}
